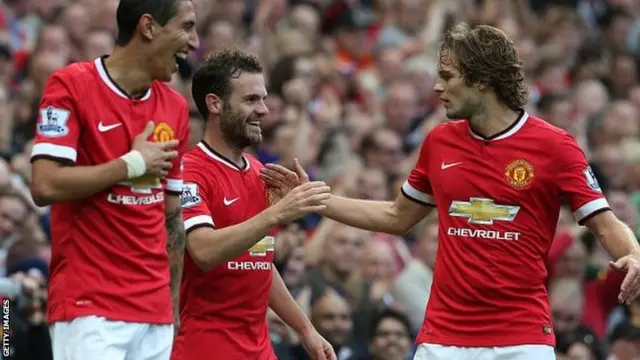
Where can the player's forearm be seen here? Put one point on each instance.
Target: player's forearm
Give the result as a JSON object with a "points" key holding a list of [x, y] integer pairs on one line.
{"points": [[618, 239], [176, 240], [365, 214], [56, 184], [209, 248], [281, 302]]}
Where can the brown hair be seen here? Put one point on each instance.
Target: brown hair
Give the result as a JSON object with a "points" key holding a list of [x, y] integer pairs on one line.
{"points": [[486, 54]]}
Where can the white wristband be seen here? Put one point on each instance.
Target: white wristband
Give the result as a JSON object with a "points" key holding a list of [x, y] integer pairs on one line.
{"points": [[135, 164]]}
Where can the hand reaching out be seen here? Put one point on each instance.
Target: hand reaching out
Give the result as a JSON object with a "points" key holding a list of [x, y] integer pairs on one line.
{"points": [[280, 180]]}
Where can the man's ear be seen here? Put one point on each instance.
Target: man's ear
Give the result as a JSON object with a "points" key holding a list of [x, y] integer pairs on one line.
{"points": [[214, 103], [147, 26]]}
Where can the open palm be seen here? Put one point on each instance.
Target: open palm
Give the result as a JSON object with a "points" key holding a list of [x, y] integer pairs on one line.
{"points": [[280, 180]]}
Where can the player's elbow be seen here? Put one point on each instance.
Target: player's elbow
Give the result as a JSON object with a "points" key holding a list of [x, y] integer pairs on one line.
{"points": [[42, 193], [202, 256]]}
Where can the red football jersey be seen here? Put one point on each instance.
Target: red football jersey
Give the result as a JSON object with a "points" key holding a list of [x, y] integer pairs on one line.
{"points": [[109, 253], [223, 310], [498, 201]]}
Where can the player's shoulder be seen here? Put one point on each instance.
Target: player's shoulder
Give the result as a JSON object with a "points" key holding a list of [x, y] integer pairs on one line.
{"points": [[165, 92], [542, 130], [76, 76], [447, 128]]}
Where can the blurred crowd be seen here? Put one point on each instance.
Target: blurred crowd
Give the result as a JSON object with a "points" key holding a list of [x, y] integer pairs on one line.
{"points": [[350, 94]]}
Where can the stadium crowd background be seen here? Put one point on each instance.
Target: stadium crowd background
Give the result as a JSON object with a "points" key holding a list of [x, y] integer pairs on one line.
{"points": [[351, 95]]}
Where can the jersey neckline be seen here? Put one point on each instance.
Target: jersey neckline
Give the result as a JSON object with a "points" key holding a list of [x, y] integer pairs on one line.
{"points": [[209, 151], [507, 132], [106, 78]]}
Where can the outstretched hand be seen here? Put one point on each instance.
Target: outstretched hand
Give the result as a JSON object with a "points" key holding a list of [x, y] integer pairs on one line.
{"points": [[630, 288], [280, 180]]}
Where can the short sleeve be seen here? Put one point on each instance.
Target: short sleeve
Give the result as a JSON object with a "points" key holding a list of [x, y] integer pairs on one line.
{"points": [[194, 199], [577, 183], [58, 127], [418, 187], [174, 178]]}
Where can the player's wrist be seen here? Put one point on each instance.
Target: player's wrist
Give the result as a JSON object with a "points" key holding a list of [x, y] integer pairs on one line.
{"points": [[136, 166]]}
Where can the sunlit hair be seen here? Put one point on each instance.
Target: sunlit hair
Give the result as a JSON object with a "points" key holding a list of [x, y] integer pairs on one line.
{"points": [[486, 55]]}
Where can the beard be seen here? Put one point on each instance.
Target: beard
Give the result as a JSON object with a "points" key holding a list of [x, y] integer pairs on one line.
{"points": [[235, 128]]}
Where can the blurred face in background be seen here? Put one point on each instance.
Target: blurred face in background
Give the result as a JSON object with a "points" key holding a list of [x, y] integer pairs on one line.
{"points": [[590, 97], [386, 152], [306, 20], [391, 341], [623, 74], [343, 249], [331, 316], [221, 35], [428, 245], [76, 20], [98, 43], [12, 215], [295, 267], [623, 208], [400, 106], [372, 185], [54, 39], [43, 64], [573, 262], [566, 299], [377, 261]]}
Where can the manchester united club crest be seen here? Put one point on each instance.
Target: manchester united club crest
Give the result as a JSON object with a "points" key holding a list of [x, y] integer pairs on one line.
{"points": [[163, 132], [519, 173]]}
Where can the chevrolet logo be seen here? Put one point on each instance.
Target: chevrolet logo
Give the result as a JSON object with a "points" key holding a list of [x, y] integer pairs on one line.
{"points": [[483, 211], [263, 246]]}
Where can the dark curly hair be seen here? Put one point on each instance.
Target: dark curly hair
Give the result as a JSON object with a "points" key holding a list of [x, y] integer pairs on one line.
{"points": [[486, 55], [215, 74]]}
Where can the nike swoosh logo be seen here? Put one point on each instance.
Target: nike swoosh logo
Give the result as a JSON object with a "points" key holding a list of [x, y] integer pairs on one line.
{"points": [[103, 128], [446, 166], [229, 202]]}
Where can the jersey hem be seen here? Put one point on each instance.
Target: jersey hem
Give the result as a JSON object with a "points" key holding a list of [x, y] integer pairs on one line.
{"points": [[584, 219], [416, 200], [60, 160], [485, 341], [113, 316], [197, 226]]}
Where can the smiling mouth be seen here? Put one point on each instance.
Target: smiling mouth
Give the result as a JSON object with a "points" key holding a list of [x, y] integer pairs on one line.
{"points": [[180, 57]]}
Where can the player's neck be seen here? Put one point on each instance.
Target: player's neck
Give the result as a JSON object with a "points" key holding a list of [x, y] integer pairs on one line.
{"points": [[222, 147], [492, 119], [128, 71]]}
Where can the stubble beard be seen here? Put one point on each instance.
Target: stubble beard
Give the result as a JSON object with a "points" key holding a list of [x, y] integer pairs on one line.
{"points": [[233, 126]]}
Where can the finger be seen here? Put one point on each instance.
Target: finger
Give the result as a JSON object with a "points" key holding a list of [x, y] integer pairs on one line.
{"points": [[332, 355], [323, 189], [279, 168], [273, 174], [626, 283], [166, 145], [308, 186], [618, 265], [167, 165], [168, 155], [271, 182], [300, 170], [148, 130], [633, 288], [313, 208]]}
